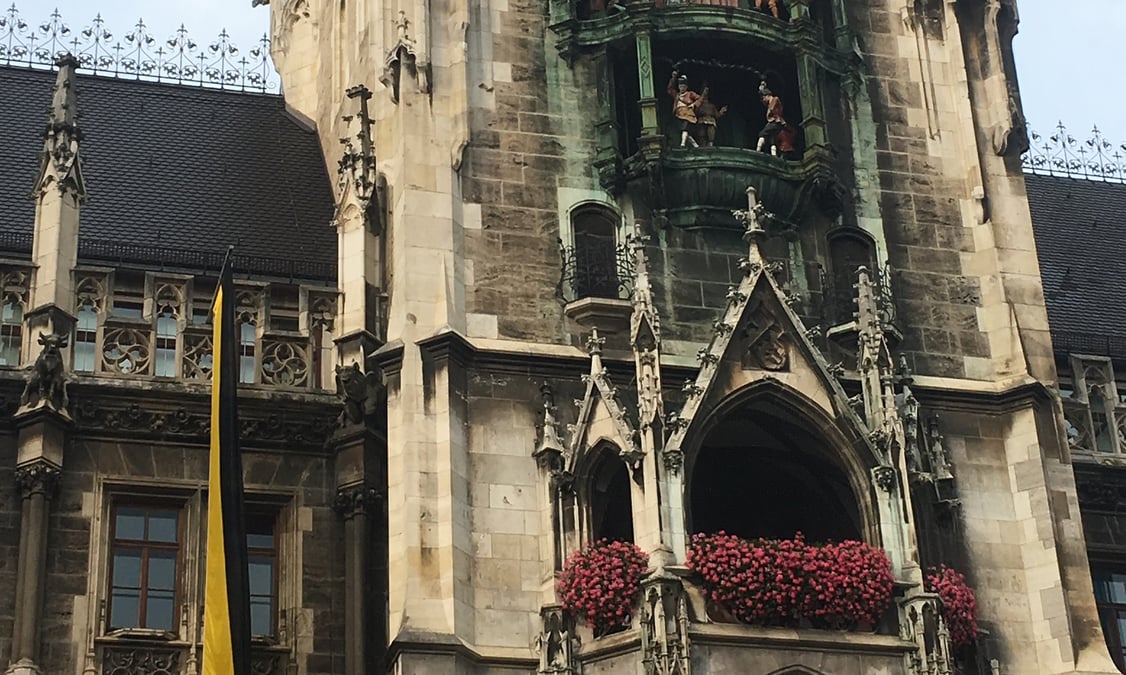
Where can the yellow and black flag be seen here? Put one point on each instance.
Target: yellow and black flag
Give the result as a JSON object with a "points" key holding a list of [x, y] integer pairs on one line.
{"points": [[226, 620]]}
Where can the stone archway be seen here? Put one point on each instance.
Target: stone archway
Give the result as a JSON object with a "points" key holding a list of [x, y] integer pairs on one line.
{"points": [[760, 473]]}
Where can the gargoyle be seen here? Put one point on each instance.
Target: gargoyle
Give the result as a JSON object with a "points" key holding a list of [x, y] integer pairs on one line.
{"points": [[47, 381], [360, 391]]}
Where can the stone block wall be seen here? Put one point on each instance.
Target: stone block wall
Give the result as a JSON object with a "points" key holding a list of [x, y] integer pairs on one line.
{"points": [[512, 568], [922, 190], [529, 138], [1011, 518]]}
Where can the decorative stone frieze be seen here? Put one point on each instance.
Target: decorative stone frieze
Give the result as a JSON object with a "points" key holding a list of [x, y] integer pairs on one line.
{"points": [[279, 428], [135, 660], [38, 477]]}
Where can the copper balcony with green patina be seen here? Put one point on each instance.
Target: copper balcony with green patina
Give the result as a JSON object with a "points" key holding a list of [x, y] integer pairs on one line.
{"points": [[631, 49]]}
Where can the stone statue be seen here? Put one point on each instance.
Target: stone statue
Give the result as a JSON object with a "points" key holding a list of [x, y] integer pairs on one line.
{"points": [[775, 122], [47, 382], [360, 392], [684, 102], [707, 115]]}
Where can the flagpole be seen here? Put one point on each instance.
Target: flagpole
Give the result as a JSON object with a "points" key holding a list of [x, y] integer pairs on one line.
{"points": [[226, 625]]}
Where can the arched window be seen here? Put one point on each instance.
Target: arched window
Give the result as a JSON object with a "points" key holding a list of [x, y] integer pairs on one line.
{"points": [[609, 498], [762, 473], [850, 248], [594, 267]]}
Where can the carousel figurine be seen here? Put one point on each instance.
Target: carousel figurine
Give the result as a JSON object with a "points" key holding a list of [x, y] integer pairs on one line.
{"points": [[772, 4], [707, 116], [775, 123], [684, 102]]}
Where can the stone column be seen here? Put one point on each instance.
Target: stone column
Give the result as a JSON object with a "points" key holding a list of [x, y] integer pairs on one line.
{"points": [[42, 434], [812, 104], [361, 503]]}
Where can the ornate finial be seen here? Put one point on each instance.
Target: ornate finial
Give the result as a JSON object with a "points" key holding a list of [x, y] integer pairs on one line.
{"points": [[550, 442], [644, 309], [46, 382], [753, 233], [594, 343], [357, 175]]}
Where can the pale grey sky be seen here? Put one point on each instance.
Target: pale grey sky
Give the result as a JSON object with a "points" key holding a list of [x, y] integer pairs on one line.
{"points": [[1066, 51]]}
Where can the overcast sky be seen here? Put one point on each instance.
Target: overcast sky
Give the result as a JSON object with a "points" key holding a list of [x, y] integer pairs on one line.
{"points": [[1066, 51]]}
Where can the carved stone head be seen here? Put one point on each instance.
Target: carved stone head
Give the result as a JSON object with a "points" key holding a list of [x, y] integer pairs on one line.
{"points": [[53, 343]]}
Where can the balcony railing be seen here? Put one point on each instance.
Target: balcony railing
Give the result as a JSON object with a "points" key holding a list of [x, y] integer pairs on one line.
{"points": [[595, 272]]}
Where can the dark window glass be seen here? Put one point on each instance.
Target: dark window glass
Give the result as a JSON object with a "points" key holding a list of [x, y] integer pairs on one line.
{"points": [[1110, 595], [261, 546], [595, 260], [145, 559], [247, 339], [128, 309]]}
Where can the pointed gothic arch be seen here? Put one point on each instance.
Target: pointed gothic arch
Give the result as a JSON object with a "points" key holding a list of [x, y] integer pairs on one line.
{"points": [[605, 491], [768, 461], [796, 669]]}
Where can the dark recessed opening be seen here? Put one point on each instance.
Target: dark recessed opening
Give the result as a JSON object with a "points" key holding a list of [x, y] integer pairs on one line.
{"points": [[757, 475], [611, 508]]}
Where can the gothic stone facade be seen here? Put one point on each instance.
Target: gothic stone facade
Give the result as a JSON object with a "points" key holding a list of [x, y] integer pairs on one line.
{"points": [[552, 328]]}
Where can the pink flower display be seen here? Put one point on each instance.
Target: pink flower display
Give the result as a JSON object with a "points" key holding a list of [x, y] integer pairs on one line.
{"points": [[601, 582], [959, 604], [781, 582]]}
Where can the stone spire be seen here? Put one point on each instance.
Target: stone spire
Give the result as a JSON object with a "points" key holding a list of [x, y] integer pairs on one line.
{"points": [[59, 162], [59, 194], [645, 337]]}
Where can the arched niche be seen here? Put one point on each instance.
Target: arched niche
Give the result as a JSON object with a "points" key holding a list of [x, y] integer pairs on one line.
{"points": [[770, 463], [850, 248], [604, 489], [594, 251]]}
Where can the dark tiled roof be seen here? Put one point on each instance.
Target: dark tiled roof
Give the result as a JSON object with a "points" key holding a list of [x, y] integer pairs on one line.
{"points": [[172, 168], [1080, 229]]}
